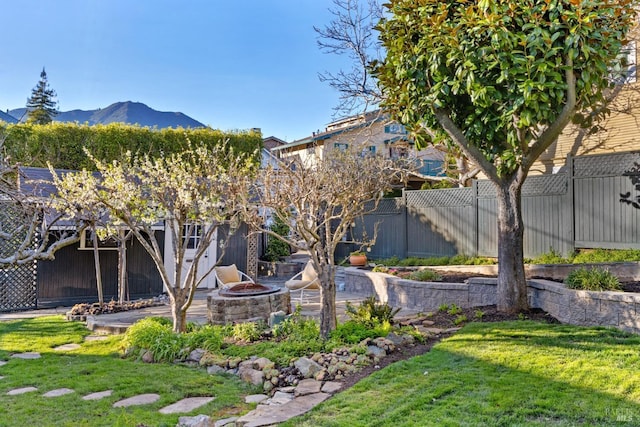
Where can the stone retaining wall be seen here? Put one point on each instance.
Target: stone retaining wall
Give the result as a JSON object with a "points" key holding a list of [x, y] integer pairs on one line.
{"points": [[585, 308]]}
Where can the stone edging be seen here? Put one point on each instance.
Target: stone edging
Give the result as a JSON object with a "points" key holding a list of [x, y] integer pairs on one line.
{"points": [[585, 308]]}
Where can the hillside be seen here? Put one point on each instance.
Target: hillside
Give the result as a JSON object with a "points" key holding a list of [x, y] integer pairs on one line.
{"points": [[123, 112]]}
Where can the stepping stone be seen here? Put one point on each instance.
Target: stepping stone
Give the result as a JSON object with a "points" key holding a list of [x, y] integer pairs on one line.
{"points": [[308, 386], [22, 390], [141, 399], [186, 405], [3, 362], [331, 387], [280, 398], [255, 398], [268, 415], [58, 392], [224, 422], [67, 347], [1, 377], [96, 337], [98, 395], [26, 356]]}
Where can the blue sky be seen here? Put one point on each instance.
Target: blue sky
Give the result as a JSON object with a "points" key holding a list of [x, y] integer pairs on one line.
{"points": [[229, 64]]}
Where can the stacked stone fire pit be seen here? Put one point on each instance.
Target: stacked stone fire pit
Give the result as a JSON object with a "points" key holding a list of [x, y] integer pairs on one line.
{"points": [[246, 302]]}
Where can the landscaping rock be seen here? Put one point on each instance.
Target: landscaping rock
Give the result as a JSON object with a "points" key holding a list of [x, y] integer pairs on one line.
{"points": [[147, 357], [307, 367], [263, 363], [3, 362], [215, 369], [331, 387], [196, 355], [307, 386], [197, 421], [186, 405], [231, 421], [255, 398], [252, 376], [276, 318], [210, 359], [375, 352], [280, 398], [275, 414]]}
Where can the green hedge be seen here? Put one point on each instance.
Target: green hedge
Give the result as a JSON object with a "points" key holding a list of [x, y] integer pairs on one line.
{"points": [[62, 143]]}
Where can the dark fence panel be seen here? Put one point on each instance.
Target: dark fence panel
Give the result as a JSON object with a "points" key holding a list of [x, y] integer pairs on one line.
{"points": [[236, 249], [71, 278]]}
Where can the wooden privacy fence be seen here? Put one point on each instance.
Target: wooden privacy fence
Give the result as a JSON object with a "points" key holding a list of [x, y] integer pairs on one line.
{"points": [[579, 207]]}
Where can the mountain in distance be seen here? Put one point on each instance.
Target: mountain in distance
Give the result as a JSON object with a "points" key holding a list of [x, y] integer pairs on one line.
{"points": [[122, 112]]}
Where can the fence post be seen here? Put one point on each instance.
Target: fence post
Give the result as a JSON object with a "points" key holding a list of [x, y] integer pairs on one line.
{"points": [[571, 223], [405, 217], [476, 232]]}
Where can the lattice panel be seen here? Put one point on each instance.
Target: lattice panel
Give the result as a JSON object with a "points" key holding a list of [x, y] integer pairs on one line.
{"points": [[486, 189], [17, 282], [446, 197], [393, 206], [545, 185], [605, 164], [252, 255]]}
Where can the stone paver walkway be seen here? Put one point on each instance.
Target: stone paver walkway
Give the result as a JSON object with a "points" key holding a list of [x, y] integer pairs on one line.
{"points": [[186, 405], [141, 399]]}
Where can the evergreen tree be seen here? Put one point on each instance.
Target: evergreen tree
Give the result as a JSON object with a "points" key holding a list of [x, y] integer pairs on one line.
{"points": [[41, 105]]}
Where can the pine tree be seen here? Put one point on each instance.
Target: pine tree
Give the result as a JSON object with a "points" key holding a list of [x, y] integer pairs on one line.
{"points": [[41, 105]]}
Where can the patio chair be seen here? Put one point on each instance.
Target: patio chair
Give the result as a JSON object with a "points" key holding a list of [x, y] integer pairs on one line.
{"points": [[307, 279], [227, 276]]}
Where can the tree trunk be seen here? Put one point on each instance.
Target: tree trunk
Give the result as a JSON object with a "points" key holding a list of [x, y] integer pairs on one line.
{"points": [[96, 263], [178, 312], [512, 284], [328, 318], [122, 266]]}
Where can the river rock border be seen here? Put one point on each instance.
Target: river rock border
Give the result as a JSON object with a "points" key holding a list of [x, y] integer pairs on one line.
{"points": [[585, 308]]}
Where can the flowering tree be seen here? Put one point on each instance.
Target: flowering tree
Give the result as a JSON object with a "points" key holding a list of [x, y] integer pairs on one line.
{"points": [[319, 201], [199, 188]]}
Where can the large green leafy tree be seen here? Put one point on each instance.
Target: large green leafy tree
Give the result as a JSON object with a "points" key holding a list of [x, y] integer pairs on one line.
{"points": [[500, 80], [42, 105]]}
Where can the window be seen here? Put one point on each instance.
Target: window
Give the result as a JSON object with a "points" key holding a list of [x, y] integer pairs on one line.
{"points": [[192, 234], [369, 151], [86, 242], [340, 146], [395, 128]]}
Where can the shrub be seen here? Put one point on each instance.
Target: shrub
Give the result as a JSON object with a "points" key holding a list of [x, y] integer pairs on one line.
{"points": [[594, 279], [277, 248], [352, 332], [208, 337], [606, 255], [248, 331], [425, 275], [454, 309], [371, 313], [155, 335]]}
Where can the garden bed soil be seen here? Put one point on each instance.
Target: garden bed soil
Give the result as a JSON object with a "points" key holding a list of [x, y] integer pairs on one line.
{"points": [[458, 277]]}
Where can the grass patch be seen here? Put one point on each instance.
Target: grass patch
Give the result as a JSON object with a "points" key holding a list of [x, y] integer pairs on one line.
{"points": [[96, 366], [519, 373]]}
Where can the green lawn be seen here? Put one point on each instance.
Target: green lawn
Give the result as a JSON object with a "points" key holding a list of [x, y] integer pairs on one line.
{"points": [[494, 374], [500, 374], [97, 366]]}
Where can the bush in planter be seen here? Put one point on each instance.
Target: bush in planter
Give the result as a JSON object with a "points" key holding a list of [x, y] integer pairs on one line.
{"points": [[276, 248], [425, 275], [594, 279]]}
